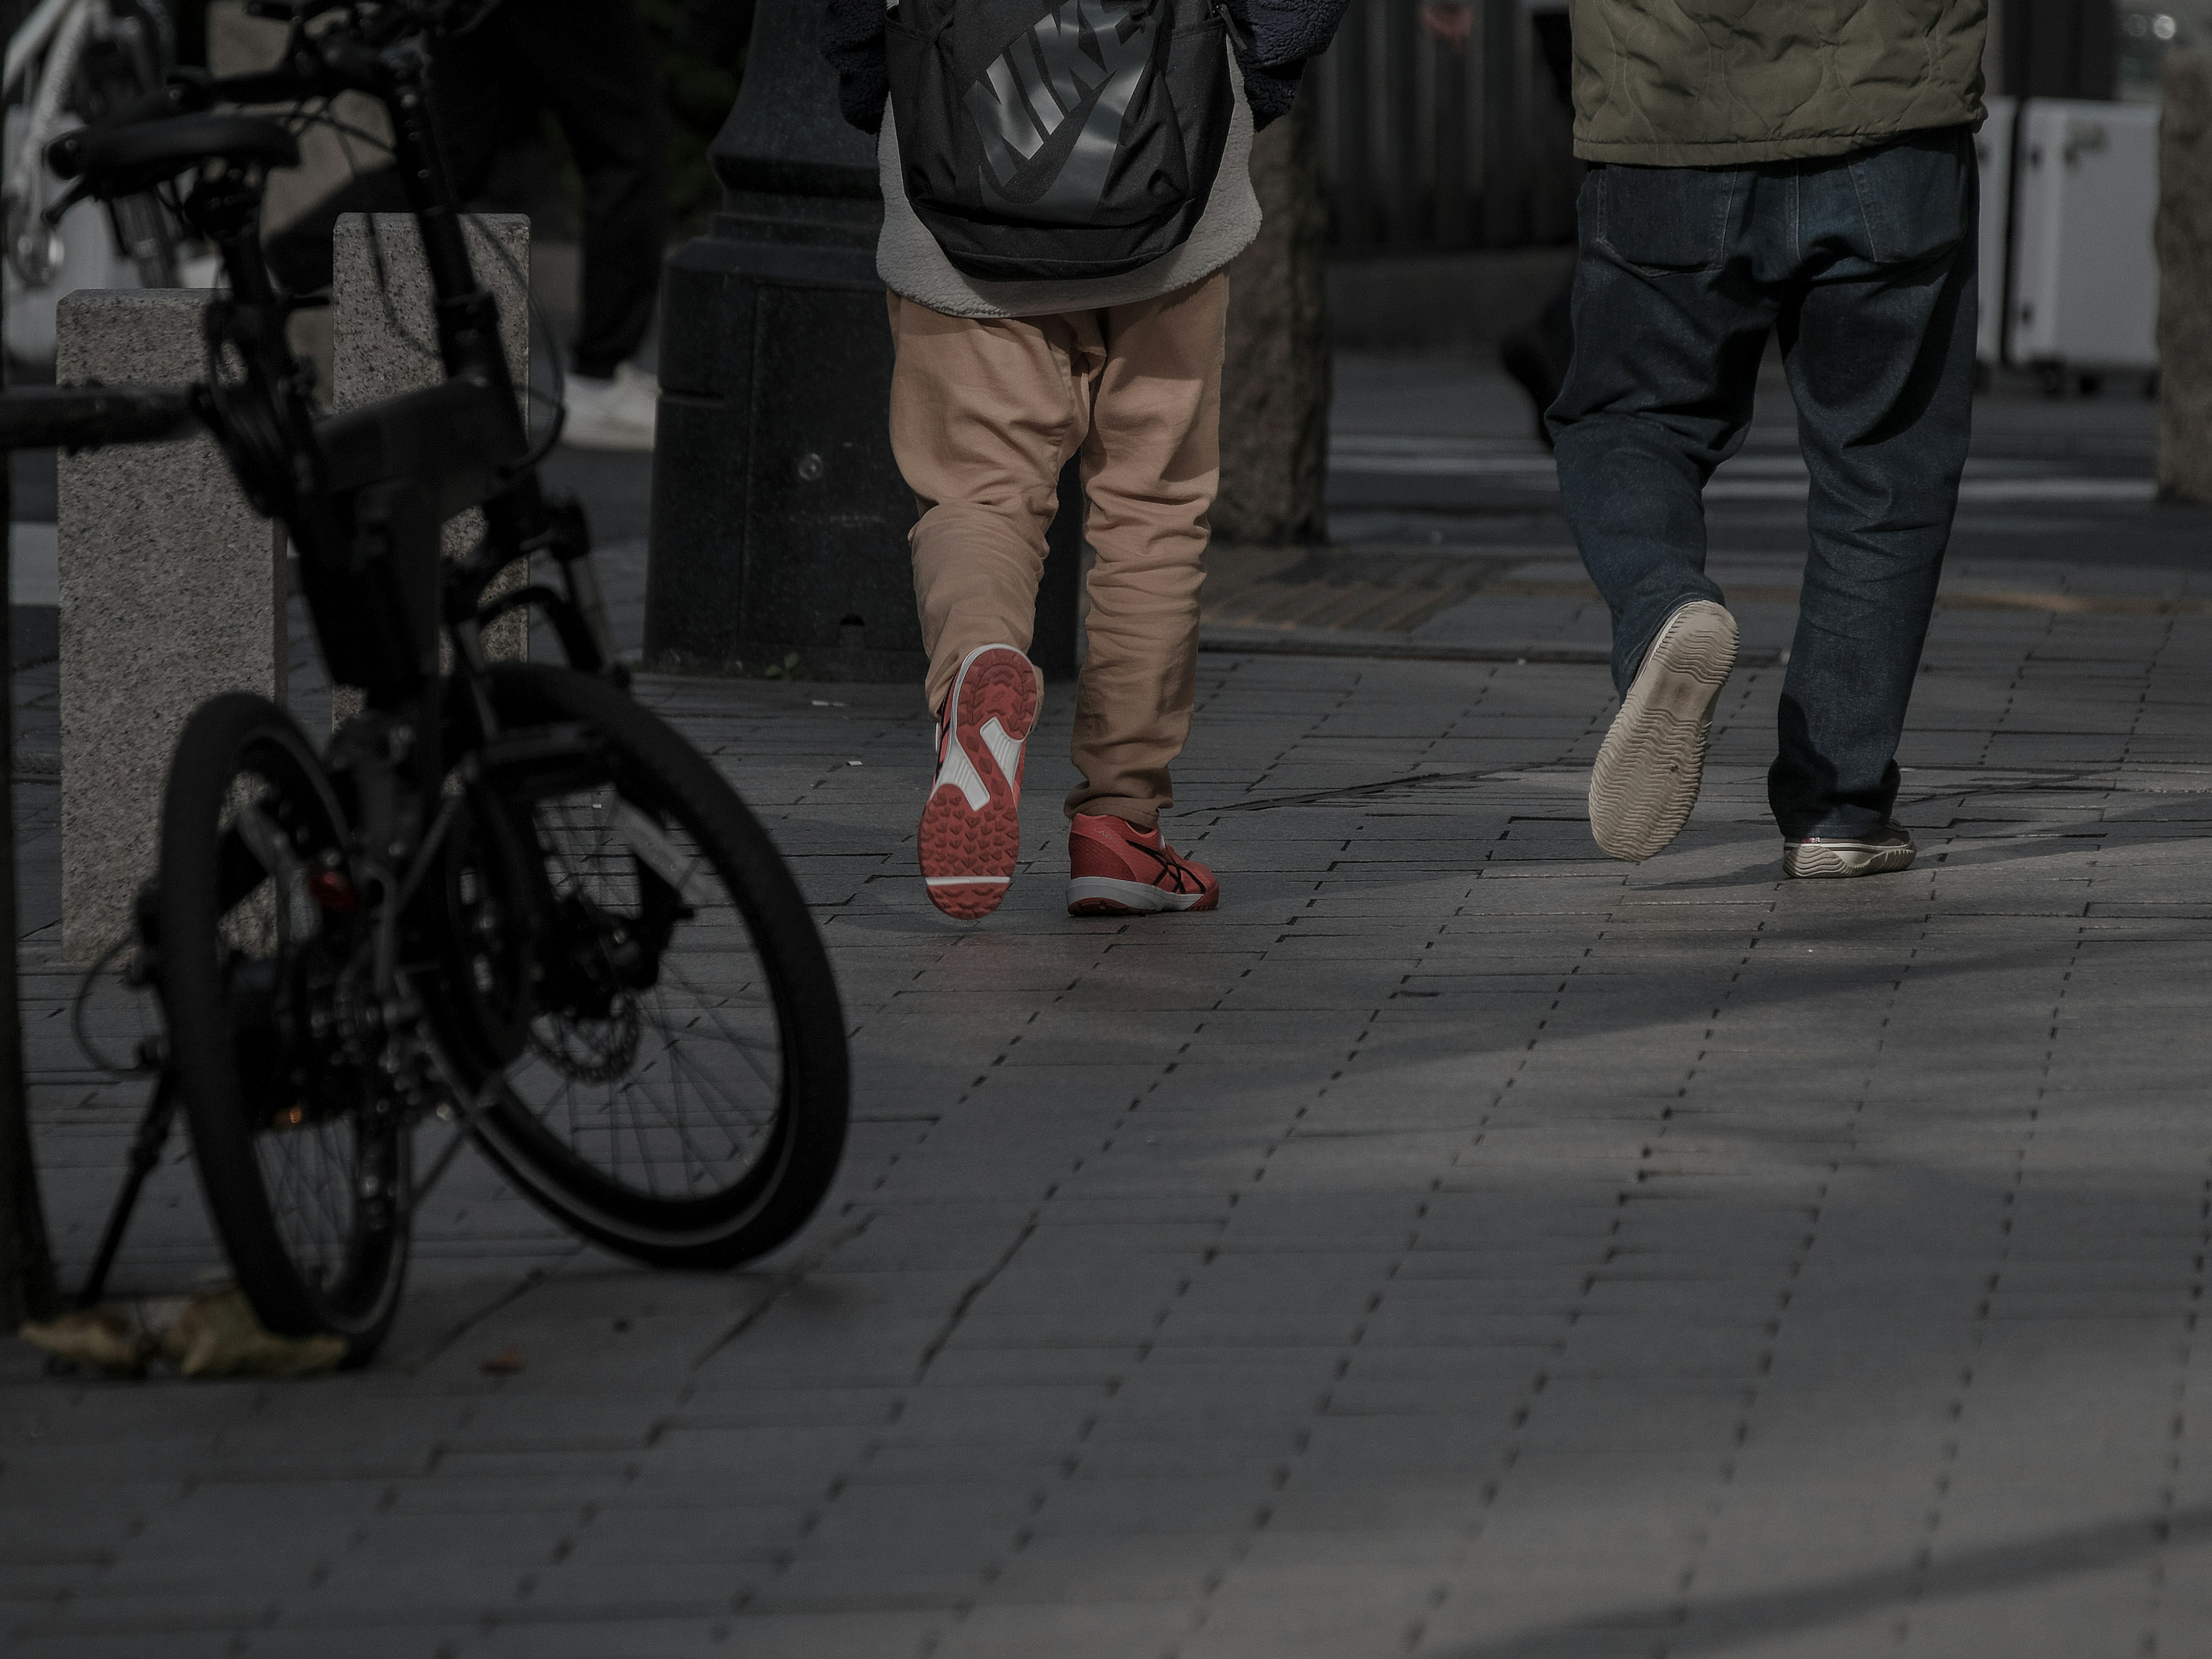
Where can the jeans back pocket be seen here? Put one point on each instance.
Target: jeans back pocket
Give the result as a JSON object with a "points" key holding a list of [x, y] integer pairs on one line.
{"points": [[1665, 219], [1916, 194]]}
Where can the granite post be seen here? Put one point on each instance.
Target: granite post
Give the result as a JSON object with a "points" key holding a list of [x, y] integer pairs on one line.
{"points": [[2184, 279], [172, 591], [385, 342]]}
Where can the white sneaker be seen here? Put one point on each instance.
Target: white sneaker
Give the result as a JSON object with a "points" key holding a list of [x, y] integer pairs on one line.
{"points": [[617, 413], [1653, 759], [1872, 852]]}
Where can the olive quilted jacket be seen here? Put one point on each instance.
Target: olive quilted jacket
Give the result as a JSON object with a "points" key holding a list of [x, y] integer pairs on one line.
{"points": [[1721, 82]]}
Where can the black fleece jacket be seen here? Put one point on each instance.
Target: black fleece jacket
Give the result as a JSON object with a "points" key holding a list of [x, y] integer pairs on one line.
{"points": [[1278, 37]]}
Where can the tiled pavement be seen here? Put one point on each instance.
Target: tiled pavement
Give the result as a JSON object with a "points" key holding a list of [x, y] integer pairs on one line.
{"points": [[1458, 1245]]}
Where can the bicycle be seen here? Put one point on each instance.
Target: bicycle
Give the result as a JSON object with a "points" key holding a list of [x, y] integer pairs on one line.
{"points": [[504, 894], [87, 58]]}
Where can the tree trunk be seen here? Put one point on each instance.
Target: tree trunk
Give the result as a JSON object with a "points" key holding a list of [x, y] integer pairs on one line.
{"points": [[2185, 280], [1275, 381]]}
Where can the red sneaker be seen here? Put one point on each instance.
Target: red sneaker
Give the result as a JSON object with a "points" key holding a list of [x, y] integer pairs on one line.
{"points": [[1114, 869], [971, 829]]}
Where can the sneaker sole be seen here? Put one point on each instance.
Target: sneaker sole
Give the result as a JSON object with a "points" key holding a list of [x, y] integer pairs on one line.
{"points": [[971, 827], [1653, 759], [1813, 862], [1103, 896]]}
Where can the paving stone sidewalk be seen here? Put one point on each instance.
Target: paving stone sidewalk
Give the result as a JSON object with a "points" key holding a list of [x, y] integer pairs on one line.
{"points": [[1458, 1245]]}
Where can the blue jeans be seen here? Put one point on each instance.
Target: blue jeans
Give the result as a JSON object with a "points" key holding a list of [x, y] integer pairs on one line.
{"points": [[1865, 263]]}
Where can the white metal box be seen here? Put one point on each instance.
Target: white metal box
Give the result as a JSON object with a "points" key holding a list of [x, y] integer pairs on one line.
{"points": [[1993, 158], [2084, 272]]}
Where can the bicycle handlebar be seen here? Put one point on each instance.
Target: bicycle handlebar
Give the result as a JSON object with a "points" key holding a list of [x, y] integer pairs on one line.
{"points": [[75, 417], [319, 65]]}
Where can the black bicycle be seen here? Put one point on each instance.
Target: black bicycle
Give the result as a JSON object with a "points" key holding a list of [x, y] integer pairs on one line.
{"points": [[504, 894]]}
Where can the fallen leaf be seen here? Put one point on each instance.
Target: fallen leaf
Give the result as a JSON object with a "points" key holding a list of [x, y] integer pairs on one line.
{"points": [[218, 1335], [506, 1363], [93, 1339]]}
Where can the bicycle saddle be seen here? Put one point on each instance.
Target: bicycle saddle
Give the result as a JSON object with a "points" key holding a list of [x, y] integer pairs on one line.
{"points": [[123, 160]]}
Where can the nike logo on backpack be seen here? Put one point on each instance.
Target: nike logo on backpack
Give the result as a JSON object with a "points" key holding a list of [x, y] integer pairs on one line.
{"points": [[1045, 80]]}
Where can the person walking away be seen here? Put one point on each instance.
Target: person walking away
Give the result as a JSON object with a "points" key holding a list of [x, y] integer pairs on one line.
{"points": [[592, 65], [1803, 167], [1064, 183]]}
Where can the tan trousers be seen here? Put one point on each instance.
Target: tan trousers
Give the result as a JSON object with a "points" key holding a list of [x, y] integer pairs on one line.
{"points": [[984, 415]]}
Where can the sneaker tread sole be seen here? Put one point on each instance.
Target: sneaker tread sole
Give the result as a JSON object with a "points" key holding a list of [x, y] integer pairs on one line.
{"points": [[1103, 896], [967, 855], [1817, 859], [1653, 759]]}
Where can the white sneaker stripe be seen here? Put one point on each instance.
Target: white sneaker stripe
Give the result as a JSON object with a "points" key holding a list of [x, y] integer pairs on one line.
{"points": [[960, 772], [1006, 749], [968, 881]]}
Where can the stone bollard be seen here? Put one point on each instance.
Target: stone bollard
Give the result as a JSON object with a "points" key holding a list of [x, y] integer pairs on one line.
{"points": [[172, 591], [380, 352], [2184, 279]]}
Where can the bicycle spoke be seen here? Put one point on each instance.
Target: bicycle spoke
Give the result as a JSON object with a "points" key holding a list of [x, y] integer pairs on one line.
{"points": [[746, 1050], [681, 1127], [677, 1081], [674, 1049]]}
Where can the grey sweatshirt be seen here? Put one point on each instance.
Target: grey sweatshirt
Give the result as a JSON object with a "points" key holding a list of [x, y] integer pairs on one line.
{"points": [[911, 261]]}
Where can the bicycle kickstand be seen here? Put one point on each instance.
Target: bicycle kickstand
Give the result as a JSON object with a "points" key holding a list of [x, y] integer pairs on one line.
{"points": [[145, 1153]]}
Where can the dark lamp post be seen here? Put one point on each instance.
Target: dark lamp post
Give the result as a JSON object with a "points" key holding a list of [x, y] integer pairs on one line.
{"points": [[779, 518]]}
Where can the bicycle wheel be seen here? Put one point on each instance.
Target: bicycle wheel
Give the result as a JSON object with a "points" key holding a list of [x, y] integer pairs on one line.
{"points": [[680, 1093], [303, 1161]]}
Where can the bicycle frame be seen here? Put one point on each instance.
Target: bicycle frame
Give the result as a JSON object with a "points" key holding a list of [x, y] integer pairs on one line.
{"points": [[397, 470], [431, 917], [365, 494]]}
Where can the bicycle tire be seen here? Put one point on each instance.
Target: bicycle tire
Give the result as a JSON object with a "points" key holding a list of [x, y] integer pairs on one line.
{"points": [[738, 1214], [278, 1144]]}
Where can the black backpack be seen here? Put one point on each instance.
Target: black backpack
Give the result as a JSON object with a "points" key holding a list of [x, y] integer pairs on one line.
{"points": [[1059, 138]]}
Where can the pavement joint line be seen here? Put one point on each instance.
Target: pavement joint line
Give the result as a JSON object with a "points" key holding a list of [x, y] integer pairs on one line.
{"points": [[786, 1280], [1994, 779]]}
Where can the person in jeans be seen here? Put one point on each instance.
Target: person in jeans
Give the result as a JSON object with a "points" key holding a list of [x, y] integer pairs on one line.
{"points": [[997, 384], [591, 64], [1804, 168]]}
